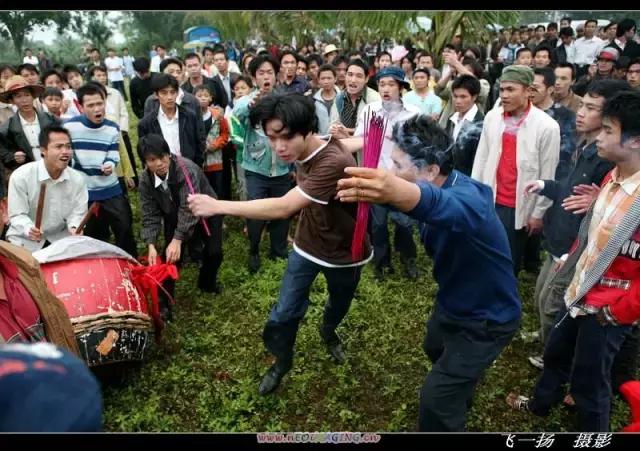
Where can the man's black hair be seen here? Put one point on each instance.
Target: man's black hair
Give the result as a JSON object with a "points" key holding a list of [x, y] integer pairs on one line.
{"points": [[425, 142], [160, 46], [70, 69], [45, 133], [142, 65], [625, 25], [586, 22], [153, 144], [48, 73], [566, 31], [164, 63], [302, 59], [125, 48], [567, 18], [549, 77], [541, 26], [607, 88], [623, 107], [99, 67], [361, 64], [476, 67], [111, 49], [297, 113], [28, 50], [609, 25], [288, 52], [552, 25], [259, 60], [51, 92], [219, 49], [468, 82], [161, 81], [191, 55], [567, 66], [94, 49], [380, 54], [317, 58], [90, 89], [522, 50], [451, 46], [340, 59], [541, 48], [28, 66], [7, 66], [329, 68], [631, 62], [206, 49]]}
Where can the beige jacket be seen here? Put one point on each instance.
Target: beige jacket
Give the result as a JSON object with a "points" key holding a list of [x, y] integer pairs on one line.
{"points": [[538, 151], [116, 111]]}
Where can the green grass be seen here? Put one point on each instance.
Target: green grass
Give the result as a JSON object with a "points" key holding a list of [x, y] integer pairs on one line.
{"points": [[205, 373]]}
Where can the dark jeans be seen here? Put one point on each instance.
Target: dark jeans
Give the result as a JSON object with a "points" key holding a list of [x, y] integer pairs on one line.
{"points": [[580, 351], [114, 214], [517, 238], [228, 169], [402, 239], [119, 85], [262, 187], [282, 326], [132, 158], [212, 257], [625, 365], [215, 179], [531, 255], [460, 350]]}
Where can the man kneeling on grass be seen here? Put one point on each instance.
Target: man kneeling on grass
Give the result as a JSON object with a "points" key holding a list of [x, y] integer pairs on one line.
{"points": [[325, 230], [477, 309]]}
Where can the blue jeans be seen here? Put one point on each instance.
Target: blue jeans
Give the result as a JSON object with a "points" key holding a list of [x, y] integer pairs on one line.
{"points": [[403, 238], [282, 326], [460, 350], [579, 351], [262, 187]]}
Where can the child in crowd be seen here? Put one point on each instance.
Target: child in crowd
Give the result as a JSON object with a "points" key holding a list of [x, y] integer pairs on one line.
{"points": [[217, 132], [52, 100]]}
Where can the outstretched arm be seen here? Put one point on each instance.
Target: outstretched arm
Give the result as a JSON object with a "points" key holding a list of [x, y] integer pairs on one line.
{"points": [[262, 209]]}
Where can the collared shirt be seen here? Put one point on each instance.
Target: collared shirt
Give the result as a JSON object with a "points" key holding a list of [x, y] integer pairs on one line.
{"points": [[468, 117], [115, 66], [65, 204], [613, 202], [620, 44], [585, 50], [226, 82], [395, 113], [161, 182], [32, 132], [180, 96], [170, 130]]}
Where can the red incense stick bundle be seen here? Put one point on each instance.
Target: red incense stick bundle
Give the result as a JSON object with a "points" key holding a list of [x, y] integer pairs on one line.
{"points": [[192, 191], [375, 127]]}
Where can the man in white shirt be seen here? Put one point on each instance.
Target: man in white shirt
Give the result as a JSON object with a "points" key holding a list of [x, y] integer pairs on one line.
{"points": [[128, 63], [115, 67], [30, 58], [157, 59], [587, 47], [66, 196]]}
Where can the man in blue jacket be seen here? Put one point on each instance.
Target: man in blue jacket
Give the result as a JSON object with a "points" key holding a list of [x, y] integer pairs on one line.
{"points": [[477, 309]]}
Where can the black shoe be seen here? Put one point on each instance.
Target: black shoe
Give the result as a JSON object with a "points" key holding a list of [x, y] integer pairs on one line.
{"points": [[166, 315], [272, 378], [410, 269], [254, 263], [336, 352], [381, 272], [208, 288]]}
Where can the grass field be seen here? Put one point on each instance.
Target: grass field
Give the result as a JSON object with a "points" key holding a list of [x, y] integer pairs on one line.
{"points": [[205, 373]]}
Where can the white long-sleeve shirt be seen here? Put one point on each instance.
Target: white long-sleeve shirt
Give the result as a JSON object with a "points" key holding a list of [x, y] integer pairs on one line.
{"points": [[586, 50], [65, 204]]}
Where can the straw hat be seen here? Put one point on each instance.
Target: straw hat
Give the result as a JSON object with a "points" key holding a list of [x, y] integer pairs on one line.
{"points": [[330, 48], [15, 84]]}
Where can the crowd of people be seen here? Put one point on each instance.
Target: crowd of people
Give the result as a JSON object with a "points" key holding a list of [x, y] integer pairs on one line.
{"points": [[529, 148]]}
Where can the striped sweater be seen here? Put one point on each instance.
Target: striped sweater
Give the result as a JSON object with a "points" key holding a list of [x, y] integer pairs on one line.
{"points": [[93, 146]]}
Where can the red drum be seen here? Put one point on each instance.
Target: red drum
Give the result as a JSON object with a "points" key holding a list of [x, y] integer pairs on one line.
{"points": [[109, 313]]}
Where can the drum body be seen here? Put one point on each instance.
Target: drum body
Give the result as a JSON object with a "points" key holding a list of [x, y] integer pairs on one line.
{"points": [[108, 312]]}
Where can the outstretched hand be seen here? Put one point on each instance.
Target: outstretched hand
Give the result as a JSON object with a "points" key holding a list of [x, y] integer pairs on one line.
{"points": [[202, 205], [365, 185]]}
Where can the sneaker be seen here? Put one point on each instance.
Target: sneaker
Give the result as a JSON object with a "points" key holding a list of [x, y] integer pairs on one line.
{"points": [[537, 361]]}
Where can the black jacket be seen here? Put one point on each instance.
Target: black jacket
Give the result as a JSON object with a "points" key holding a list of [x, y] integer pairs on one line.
{"points": [[12, 138], [215, 84], [232, 79], [561, 226], [140, 90], [192, 143], [464, 150]]}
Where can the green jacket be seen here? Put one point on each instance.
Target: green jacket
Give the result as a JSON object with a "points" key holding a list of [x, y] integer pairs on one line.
{"points": [[257, 154]]}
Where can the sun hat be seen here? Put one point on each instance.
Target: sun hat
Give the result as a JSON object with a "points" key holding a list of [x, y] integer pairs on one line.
{"points": [[15, 84], [330, 48]]}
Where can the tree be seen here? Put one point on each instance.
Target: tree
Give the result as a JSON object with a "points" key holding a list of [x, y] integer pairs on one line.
{"points": [[15, 25], [94, 26], [142, 29]]}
